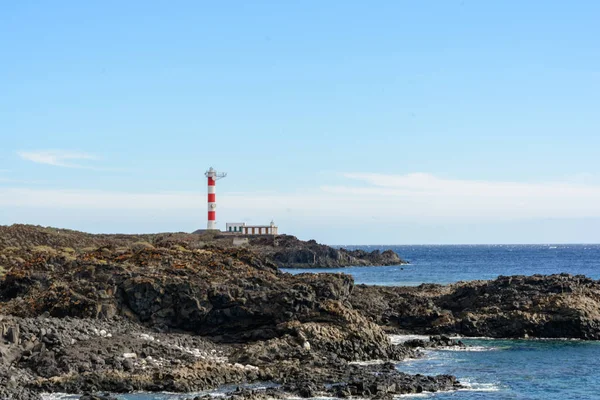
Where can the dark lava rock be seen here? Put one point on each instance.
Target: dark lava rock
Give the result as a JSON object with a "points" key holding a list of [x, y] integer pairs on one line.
{"points": [[124, 316], [436, 341], [553, 306], [288, 252]]}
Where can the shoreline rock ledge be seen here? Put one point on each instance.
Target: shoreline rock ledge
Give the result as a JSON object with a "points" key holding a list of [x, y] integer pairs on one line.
{"points": [[537, 306], [113, 314]]}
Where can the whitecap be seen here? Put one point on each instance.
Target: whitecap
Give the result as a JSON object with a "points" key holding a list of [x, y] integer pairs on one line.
{"points": [[478, 387], [399, 339], [317, 398], [366, 363], [459, 337], [416, 395], [58, 396], [469, 387], [468, 348]]}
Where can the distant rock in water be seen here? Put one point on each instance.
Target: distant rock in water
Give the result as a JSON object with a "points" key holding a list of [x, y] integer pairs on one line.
{"points": [[289, 252]]}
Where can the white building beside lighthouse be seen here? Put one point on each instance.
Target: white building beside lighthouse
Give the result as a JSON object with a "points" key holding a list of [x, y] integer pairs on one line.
{"points": [[242, 229]]}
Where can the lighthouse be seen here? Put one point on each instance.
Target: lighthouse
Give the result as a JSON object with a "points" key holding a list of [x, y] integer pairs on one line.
{"points": [[212, 176]]}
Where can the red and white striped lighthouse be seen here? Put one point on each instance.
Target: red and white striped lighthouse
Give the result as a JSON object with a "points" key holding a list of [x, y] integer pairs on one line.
{"points": [[212, 176]]}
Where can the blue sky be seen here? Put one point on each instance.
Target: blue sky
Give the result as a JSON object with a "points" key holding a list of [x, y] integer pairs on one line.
{"points": [[345, 121]]}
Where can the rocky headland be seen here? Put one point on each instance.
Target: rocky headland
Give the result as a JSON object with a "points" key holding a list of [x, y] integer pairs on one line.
{"points": [[181, 313], [83, 313]]}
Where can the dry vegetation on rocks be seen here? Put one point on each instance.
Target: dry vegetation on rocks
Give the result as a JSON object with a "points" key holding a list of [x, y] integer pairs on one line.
{"points": [[179, 312]]}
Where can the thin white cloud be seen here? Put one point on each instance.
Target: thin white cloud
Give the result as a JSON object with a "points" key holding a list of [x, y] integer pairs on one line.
{"points": [[582, 178], [388, 198], [427, 184], [58, 158], [429, 195]]}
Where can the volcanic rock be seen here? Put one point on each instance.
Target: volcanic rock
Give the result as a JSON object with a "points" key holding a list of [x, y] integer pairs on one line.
{"points": [[554, 306]]}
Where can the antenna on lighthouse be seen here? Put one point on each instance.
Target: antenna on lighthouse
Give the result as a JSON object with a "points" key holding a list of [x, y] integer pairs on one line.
{"points": [[212, 176]]}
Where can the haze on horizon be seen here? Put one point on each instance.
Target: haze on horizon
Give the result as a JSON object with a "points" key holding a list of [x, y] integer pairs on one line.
{"points": [[390, 122]]}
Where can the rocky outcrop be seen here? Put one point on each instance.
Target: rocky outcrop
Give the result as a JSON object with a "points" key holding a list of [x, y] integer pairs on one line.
{"points": [[377, 381], [168, 315], [284, 251], [554, 306], [88, 355], [288, 252], [208, 292]]}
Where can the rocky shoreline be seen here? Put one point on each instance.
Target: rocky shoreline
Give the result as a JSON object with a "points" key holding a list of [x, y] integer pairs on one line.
{"points": [[538, 306], [75, 355], [84, 313]]}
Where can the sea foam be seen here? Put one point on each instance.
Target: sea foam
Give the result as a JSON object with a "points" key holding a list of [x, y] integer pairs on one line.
{"points": [[59, 396], [399, 339]]}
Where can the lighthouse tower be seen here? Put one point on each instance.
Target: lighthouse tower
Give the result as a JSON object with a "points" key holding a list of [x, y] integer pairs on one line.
{"points": [[212, 176]]}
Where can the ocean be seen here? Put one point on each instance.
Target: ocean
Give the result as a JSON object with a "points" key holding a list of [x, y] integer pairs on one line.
{"points": [[516, 369], [453, 263], [491, 369]]}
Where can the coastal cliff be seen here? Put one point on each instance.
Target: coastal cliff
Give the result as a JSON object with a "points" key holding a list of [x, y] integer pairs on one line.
{"points": [[124, 313], [183, 312]]}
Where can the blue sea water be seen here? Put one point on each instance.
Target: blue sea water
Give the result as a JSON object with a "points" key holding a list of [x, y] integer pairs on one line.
{"points": [[492, 369], [453, 263], [517, 369]]}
